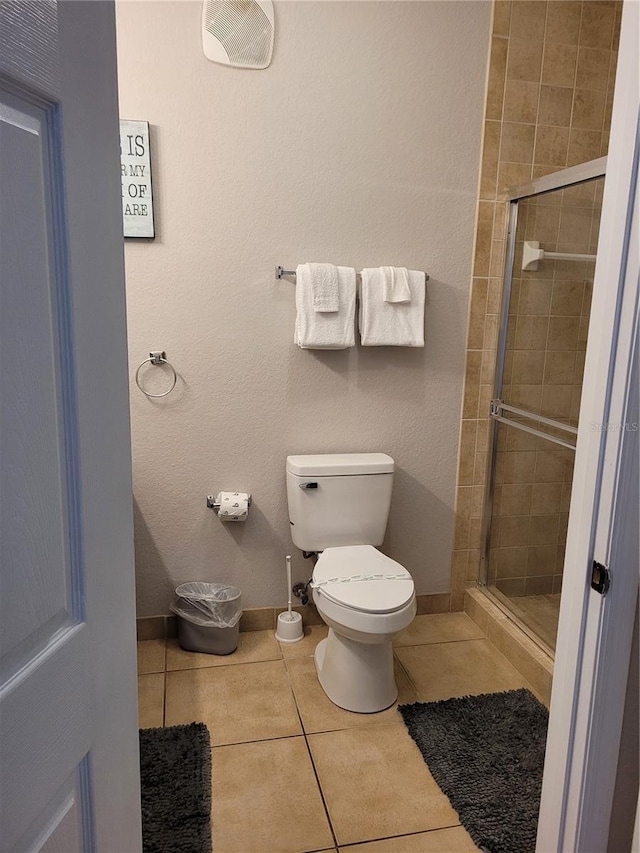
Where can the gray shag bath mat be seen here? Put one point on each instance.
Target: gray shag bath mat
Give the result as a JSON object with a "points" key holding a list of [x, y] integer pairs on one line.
{"points": [[175, 780], [487, 754]]}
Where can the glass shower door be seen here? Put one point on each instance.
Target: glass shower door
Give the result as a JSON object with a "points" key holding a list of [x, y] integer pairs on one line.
{"points": [[534, 416]]}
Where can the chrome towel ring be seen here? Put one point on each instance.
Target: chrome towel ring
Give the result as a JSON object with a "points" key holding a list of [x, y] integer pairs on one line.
{"points": [[157, 357]]}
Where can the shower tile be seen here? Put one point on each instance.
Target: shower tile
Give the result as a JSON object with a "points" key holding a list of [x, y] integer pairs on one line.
{"points": [[253, 646], [511, 562], [596, 26], [527, 367], [510, 175], [526, 396], [511, 586], [563, 22], [455, 839], [483, 239], [151, 700], [539, 585], [543, 529], [515, 499], [439, 628], [541, 560], [513, 531], [555, 106], [588, 109], [546, 498], [563, 333], [490, 151], [517, 467], [495, 82], [559, 367], [556, 401], [521, 101], [305, 647], [535, 296], [565, 501], [501, 17], [550, 466], [559, 66], [376, 784], [593, 69], [150, 656], [528, 19], [265, 798], [531, 332], [575, 226], [466, 668], [517, 142], [242, 703]]}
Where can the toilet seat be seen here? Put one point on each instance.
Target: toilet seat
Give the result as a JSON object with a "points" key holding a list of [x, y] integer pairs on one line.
{"points": [[362, 578]]}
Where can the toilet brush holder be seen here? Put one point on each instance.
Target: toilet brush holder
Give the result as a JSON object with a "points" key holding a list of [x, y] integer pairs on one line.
{"points": [[289, 628]]}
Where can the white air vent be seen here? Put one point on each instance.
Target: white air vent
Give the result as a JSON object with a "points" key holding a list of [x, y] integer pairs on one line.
{"points": [[238, 32]]}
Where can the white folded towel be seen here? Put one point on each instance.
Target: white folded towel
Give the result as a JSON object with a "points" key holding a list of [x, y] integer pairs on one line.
{"points": [[323, 280], [325, 329], [395, 287], [395, 324]]}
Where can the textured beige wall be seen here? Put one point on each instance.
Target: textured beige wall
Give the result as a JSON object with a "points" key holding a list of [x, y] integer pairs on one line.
{"points": [[548, 105], [359, 145]]}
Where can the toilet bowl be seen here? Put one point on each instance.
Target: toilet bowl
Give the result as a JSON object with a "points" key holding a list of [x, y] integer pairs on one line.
{"points": [[365, 598]]}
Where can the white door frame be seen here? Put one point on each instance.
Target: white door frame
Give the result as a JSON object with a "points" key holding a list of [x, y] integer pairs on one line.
{"points": [[595, 632]]}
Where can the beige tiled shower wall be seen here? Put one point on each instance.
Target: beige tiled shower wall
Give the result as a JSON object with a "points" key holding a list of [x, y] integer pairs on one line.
{"points": [[548, 106]]}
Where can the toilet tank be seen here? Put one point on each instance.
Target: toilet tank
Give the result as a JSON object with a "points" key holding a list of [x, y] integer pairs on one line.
{"points": [[338, 499]]}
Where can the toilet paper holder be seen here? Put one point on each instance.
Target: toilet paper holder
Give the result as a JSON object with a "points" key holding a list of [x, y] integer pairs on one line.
{"points": [[212, 503]]}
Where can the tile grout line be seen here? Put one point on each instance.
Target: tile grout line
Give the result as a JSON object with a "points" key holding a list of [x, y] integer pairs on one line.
{"points": [[313, 766]]}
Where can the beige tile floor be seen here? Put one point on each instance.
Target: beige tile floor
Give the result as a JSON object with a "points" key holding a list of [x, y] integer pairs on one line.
{"points": [[292, 773]]}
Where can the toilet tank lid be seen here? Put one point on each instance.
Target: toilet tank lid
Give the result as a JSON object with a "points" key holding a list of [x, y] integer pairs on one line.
{"points": [[340, 464]]}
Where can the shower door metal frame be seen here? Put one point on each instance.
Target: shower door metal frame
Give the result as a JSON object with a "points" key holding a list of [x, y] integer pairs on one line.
{"points": [[557, 180]]}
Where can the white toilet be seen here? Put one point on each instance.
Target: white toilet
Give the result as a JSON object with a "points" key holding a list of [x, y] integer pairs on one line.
{"points": [[339, 506]]}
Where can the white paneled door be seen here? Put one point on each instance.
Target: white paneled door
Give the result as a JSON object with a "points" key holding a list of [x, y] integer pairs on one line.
{"points": [[68, 717]]}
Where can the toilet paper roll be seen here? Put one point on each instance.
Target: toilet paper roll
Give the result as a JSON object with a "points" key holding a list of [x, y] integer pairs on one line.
{"points": [[234, 506]]}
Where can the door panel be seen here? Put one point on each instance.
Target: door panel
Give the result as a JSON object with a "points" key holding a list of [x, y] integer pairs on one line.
{"points": [[69, 776], [35, 529]]}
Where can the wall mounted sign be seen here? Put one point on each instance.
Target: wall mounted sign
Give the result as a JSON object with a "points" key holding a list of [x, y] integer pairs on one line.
{"points": [[135, 172]]}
